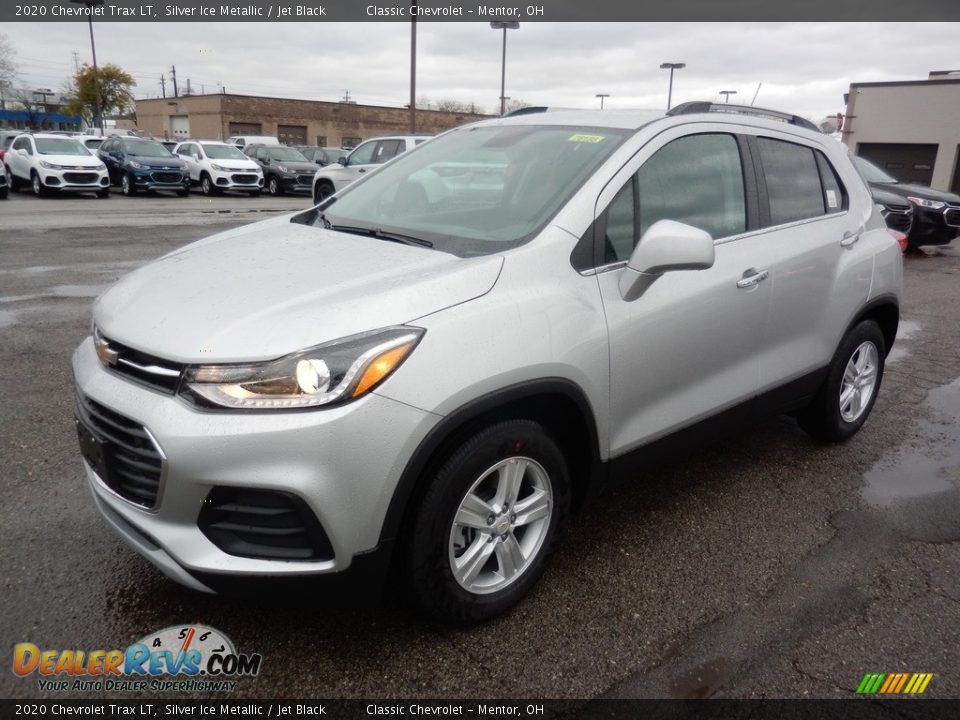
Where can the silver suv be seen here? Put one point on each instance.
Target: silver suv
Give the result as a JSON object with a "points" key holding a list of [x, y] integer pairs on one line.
{"points": [[364, 158], [428, 371]]}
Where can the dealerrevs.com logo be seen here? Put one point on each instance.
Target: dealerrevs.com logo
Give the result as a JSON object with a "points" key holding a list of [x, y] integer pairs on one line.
{"points": [[181, 658]]}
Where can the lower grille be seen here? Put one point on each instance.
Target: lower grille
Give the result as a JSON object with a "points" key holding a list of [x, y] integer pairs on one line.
{"points": [[166, 177], [244, 179], [952, 216], [305, 179], [75, 178], [122, 452], [263, 524]]}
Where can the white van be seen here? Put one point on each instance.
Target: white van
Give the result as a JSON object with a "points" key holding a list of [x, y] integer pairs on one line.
{"points": [[241, 141]]}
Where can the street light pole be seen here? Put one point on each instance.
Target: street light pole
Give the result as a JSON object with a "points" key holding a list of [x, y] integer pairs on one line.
{"points": [[602, 96], [671, 67], [727, 93], [413, 68], [502, 25], [90, 5]]}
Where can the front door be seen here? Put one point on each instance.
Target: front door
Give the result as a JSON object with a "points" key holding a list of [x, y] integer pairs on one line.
{"points": [[687, 348]]}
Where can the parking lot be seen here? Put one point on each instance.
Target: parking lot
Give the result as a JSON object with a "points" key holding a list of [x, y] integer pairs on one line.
{"points": [[764, 566]]}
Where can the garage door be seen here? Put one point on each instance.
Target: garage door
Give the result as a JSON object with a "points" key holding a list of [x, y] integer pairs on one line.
{"points": [[292, 134], [239, 128], [180, 126], [907, 162]]}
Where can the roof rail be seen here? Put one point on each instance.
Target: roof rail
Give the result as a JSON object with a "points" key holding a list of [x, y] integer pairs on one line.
{"points": [[701, 106], [531, 110]]}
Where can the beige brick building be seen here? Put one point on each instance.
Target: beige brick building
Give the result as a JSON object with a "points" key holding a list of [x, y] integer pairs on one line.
{"points": [[309, 122]]}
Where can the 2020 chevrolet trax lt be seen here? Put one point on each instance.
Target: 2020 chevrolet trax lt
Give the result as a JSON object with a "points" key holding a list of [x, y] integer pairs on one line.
{"points": [[431, 369]]}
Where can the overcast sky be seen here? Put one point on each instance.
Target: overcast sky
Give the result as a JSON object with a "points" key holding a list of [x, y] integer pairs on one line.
{"points": [[803, 67]]}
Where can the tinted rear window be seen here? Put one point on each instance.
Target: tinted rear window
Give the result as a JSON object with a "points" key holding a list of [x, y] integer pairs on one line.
{"points": [[793, 181]]}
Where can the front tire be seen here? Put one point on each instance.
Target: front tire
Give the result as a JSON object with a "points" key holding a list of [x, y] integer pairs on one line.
{"points": [[488, 523], [103, 193], [38, 188], [127, 185], [207, 187], [323, 191], [845, 399], [273, 186]]}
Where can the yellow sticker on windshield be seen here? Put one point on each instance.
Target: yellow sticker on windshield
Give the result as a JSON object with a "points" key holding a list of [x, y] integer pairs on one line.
{"points": [[586, 138]]}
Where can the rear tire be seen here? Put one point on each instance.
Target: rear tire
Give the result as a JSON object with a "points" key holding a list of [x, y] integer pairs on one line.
{"points": [[3, 194], [845, 399], [488, 523]]}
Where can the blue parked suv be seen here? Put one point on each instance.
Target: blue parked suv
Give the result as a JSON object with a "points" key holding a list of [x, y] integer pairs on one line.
{"points": [[137, 164]]}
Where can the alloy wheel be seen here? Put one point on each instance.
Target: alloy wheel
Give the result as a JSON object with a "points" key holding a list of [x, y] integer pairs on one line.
{"points": [[500, 525], [859, 381]]}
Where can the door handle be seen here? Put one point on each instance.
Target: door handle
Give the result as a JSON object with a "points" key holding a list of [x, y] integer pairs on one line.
{"points": [[750, 280], [849, 238]]}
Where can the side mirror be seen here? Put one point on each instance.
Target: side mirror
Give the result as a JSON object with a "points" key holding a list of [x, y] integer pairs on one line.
{"points": [[23, 151], [342, 160], [265, 160], [665, 247]]}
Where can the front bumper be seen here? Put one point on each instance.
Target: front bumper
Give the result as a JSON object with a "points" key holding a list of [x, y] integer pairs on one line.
{"points": [[239, 180], [296, 183], [160, 179], [343, 462], [79, 180], [935, 227]]}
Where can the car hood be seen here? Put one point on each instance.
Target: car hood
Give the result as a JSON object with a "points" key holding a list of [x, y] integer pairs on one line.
{"points": [[920, 191], [276, 287], [237, 164], [885, 197], [87, 161], [297, 167], [155, 162]]}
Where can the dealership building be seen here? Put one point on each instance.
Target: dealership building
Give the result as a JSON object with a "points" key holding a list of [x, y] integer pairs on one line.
{"points": [[294, 122], [910, 129]]}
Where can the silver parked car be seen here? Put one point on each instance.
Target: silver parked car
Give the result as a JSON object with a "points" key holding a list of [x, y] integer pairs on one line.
{"points": [[428, 371]]}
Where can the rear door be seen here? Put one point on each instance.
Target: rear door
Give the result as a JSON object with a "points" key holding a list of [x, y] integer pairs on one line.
{"points": [[820, 272], [190, 154], [687, 348], [19, 164]]}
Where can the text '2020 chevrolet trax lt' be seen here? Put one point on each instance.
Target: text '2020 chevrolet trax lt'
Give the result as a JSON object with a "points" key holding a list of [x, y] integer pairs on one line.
{"points": [[432, 368]]}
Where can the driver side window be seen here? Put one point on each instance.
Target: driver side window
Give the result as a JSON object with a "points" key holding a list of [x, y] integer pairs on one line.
{"points": [[696, 180], [363, 155]]}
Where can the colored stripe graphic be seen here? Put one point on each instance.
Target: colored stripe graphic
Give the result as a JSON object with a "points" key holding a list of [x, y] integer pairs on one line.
{"points": [[894, 683]]}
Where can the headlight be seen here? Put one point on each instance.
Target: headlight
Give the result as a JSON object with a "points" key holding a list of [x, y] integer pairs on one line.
{"points": [[101, 167], [138, 166], [928, 204], [221, 168], [327, 374], [50, 165], [282, 168]]}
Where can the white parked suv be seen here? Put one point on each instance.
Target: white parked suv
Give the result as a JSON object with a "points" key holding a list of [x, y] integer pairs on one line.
{"points": [[427, 372], [51, 163], [362, 159], [217, 166]]}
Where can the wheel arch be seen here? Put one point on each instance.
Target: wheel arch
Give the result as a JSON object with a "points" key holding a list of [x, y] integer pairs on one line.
{"points": [[885, 311], [556, 403]]}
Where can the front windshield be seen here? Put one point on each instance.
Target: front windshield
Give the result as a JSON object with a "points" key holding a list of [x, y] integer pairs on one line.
{"points": [[871, 173], [60, 146], [145, 148], [223, 152], [476, 191], [286, 154]]}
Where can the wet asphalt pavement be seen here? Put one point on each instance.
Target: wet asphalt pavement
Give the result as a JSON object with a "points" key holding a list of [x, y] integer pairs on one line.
{"points": [[764, 566]]}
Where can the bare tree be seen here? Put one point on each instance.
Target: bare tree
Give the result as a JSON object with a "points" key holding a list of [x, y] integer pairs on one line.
{"points": [[30, 102], [8, 70], [517, 104]]}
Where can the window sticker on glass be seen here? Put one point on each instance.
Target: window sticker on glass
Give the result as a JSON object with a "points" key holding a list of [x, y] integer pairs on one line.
{"points": [[581, 138], [831, 198]]}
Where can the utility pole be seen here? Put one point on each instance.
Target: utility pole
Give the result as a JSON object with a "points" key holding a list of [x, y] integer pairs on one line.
{"points": [[173, 77], [76, 61], [163, 84], [346, 97], [189, 91]]}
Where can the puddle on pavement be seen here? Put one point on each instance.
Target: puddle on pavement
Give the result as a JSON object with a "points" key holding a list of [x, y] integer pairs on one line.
{"points": [[918, 486], [60, 291], [703, 681], [906, 330]]}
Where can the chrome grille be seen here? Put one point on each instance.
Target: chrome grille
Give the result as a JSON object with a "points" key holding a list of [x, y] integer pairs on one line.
{"points": [[244, 179], [951, 216], [141, 368]]}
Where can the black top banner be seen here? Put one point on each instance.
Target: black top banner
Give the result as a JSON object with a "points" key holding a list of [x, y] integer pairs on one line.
{"points": [[470, 11]]}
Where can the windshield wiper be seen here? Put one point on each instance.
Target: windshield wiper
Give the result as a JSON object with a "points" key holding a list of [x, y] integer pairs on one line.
{"points": [[378, 233]]}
